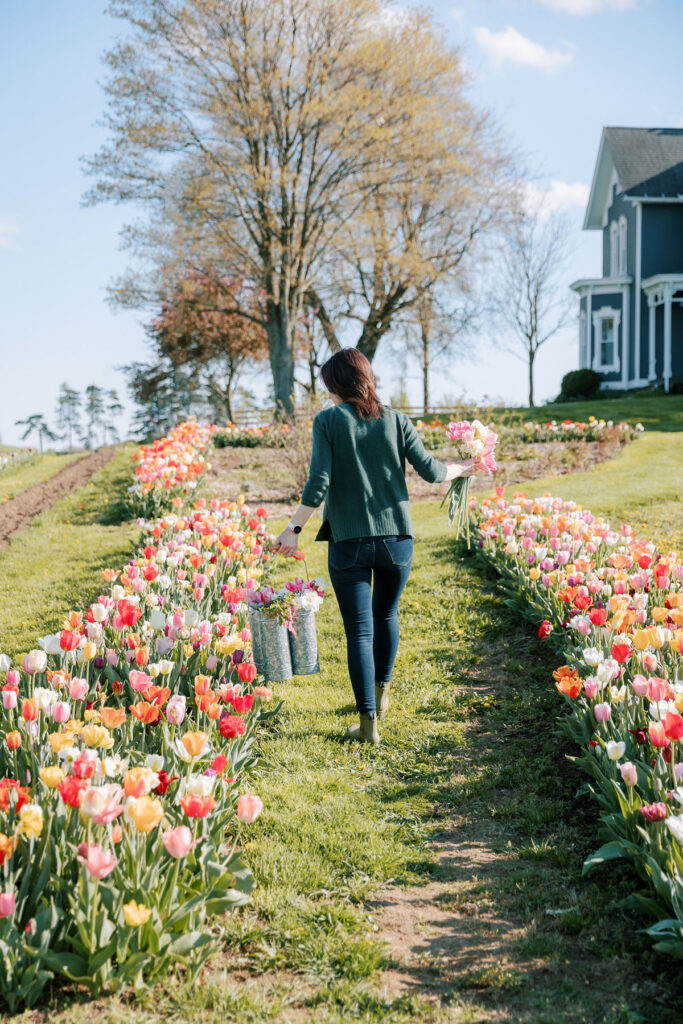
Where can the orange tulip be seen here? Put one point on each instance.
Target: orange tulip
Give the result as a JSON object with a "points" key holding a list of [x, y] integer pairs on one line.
{"points": [[29, 709], [567, 681], [194, 743], [202, 684], [13, 740], [146, 713], [112, 717], [141, 656]]}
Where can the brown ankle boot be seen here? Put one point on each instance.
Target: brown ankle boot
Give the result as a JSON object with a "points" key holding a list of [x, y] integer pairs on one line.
{"points": [[366, 732], [382, 699]]}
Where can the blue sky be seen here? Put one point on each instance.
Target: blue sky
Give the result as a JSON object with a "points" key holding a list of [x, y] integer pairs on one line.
{"points": [[554, 72]]}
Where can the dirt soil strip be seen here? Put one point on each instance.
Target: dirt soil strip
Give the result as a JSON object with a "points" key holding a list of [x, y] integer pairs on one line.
{"points": [[17, 513]]}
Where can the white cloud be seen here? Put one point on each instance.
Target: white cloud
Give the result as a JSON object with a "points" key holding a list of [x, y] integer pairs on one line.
{"points": [[588, 6], [559, 197], [7, 234], [510, 47]]}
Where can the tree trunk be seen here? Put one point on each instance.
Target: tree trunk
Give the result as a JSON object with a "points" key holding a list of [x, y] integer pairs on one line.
{"points": [[425, 374], [280, 339], [531, 379]]}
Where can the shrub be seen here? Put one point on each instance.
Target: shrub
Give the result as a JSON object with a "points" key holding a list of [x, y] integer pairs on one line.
{"points": [[579, 384]]}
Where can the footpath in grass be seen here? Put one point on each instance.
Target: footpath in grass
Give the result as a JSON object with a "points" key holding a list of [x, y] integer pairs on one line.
{"points": [[54, 564], [437, 879]]}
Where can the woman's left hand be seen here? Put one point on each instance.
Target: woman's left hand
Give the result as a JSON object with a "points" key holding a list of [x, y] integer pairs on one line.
{"points": [[287, 543]]}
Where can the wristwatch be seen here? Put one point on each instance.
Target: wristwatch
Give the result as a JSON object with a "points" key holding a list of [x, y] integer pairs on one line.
{"points": [[294, 528]]}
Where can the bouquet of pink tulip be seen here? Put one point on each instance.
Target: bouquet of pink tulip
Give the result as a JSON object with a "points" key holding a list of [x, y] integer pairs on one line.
{"points": [[477, 442]]}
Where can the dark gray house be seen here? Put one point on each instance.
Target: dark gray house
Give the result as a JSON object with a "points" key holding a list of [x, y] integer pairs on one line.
{"points": [[631, 318]]}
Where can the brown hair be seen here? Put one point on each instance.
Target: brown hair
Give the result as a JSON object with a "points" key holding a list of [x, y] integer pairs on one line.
{"points": [[348, 374]]}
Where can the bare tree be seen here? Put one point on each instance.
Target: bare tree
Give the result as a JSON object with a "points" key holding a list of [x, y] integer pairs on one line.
{"points": [[256, 132], [530, 303], [432, 332]]}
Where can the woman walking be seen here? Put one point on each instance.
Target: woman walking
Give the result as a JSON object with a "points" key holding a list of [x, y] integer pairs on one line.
{"points": [[360, 449]]}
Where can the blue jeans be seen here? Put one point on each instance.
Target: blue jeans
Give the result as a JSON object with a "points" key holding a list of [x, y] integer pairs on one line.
{"points": [[368, 575]]}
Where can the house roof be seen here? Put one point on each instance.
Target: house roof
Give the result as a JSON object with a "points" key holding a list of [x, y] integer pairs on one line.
{"points": [[648, 163]]}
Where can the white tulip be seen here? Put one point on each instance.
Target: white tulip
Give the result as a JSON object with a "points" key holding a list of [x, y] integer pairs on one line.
{"points": [[36, 661], [615, 750]]}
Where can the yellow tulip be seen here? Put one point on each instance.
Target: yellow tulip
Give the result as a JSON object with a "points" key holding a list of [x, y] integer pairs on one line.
{"points": [[97, 736], [52, 775], [641, 639], [59, 740], [660, 614], [194, 743], [678, 701], [136, 913], [91, 715], [74, 726], [89, 650], [656, 637], [144, 812], [534, 573], [30, 821]]}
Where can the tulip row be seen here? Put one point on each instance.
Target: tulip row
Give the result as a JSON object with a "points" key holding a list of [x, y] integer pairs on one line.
{"points": [[613, 605], [573, 430], [125, 740], [167, 470]]}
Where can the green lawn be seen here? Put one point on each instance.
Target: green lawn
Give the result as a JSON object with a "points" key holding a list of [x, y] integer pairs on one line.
{"points": [[54, 564], [14, 481], [662, 413]]}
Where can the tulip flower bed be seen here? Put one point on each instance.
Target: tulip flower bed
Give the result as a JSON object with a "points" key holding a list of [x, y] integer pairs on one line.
{"points": [[613, 605], [267, 436], [126, 740], [167, 470], [569, 430]]}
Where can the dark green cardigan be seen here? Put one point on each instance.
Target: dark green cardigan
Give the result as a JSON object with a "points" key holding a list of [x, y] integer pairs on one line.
{"points": [[359, 467]]}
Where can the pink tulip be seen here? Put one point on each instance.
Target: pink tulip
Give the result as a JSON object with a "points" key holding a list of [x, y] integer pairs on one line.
{"points": [[8, 904], [591, 687], [102, 803], [602, 712], [658, 737], [60, 711], [13, 677], [249, 807], [112, 657], [99, 862], [78, 689], [178, 841], [640, 685], [629, 773], [176, 710], [140, 681], [9, 699], [620, 586], [657, 688], [650, 662]]}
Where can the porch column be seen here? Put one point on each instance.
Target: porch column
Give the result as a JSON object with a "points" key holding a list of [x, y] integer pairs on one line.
{"points": [[652, 311], [667, 335]]}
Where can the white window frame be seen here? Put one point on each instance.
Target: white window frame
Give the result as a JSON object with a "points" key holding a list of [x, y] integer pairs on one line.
{"points": [[606, 313], [614, 249], [623, 227]]}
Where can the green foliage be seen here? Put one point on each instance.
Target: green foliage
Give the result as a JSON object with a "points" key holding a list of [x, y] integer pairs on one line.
{"points": [[579, 384]]}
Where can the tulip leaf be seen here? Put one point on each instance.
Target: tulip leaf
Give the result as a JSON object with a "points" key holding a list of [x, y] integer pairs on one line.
{"points": [[610, 851]]}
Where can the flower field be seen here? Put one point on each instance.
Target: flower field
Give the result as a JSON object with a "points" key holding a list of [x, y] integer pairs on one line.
{"points": [[613, 605], [127, 740], [572, 430], [167, 470]]}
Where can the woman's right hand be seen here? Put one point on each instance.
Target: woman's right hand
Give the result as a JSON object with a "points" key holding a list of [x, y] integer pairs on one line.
{"points": [[465, 467]]}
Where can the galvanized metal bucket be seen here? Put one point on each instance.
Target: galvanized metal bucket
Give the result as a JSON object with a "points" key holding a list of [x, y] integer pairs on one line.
{"points": [[304, 646], [270, 642]]}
